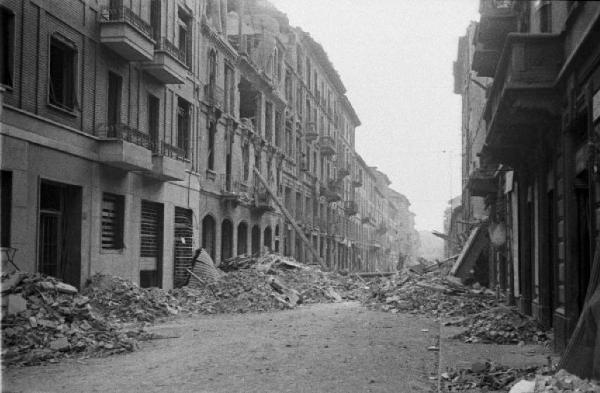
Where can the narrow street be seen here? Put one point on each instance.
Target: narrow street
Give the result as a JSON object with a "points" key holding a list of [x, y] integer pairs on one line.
{"points": [[339, 347]]}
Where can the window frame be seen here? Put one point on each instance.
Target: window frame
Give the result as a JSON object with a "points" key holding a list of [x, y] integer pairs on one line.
{"points": [[67, 44], [120, 222], [10, 51]]}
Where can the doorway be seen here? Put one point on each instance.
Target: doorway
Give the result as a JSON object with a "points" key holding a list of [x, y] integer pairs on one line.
{"points": [[59, 236], [242, 238], [267, 238], [226, 240], [255, 240], [184, 234]]}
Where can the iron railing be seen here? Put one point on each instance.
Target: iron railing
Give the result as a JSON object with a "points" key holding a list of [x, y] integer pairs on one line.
{"points": [[171, 151], [125, 133], [125, 14], [164, 45]]}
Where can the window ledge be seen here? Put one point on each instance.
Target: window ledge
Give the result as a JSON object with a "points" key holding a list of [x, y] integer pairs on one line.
{"points": [[70, 112], [111, 251]]}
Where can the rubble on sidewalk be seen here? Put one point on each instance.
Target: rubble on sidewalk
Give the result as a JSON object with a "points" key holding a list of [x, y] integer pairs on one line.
{"points": [[562, 381], [487, 376], [428, 294], [502, 325], [122, 300], [55, 321]]}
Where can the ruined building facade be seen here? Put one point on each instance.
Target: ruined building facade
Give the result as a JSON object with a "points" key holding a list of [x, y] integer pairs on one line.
{"points": [[529, 75], [130, 130]]}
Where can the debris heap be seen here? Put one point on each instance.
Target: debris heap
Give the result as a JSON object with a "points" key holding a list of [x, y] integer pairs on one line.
{"points": [[485, 376], [46, 319], [428, 294], [124, 301], [502, 325]]}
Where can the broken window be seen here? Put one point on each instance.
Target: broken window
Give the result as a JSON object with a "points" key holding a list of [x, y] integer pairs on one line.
{"points": [[185, 36], [246, 160], [61, 87], [7, 27], [229, 90], [183, 125], [278, 129], [113, 208], [212, 129], [269, 122]]}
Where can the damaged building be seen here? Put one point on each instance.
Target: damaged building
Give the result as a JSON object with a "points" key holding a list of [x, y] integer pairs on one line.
{"points": [[529, 76], [131, 130]]}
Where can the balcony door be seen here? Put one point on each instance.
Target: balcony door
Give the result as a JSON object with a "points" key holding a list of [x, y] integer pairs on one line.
{"points": [[153, 113]]}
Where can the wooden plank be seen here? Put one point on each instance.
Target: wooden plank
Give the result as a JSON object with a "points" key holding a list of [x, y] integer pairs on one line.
{"points": [[289, 217]]}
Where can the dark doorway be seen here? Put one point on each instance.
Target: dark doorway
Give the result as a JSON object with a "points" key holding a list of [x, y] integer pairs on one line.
{"points": [[59, 241], [208, 235], [277, 235], [184, 234], [242, 238], [552, 268], [226, 240], [255, 240], [151, 245], [268, 238], [583, 237]]}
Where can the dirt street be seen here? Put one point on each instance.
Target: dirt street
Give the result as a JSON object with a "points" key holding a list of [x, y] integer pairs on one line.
{"points": [[339, 347]]}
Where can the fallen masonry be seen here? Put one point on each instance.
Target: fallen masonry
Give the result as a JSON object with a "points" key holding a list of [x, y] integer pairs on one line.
{"points": [[46, 319]]}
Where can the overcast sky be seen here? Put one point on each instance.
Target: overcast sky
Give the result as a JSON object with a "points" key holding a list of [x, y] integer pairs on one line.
{"points": [[395, 59]]}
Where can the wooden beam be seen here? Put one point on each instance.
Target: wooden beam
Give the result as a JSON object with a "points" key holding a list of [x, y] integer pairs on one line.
{"points": [[289, 217]]}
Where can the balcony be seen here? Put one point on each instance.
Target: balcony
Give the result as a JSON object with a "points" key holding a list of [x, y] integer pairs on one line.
{"points": [[498, 19], [168, 163], [332, 192], [357, 181], [214, 96], [343, 171], [124, 147], [350, 208], [263, 202], [368, 219], [311, 132], [482, 183], [522, 97], [327, 144], [381, 229], [169, 64], [235, 191], [126, 33]]}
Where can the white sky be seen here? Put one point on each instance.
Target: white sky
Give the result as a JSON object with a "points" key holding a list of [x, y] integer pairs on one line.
{"points": [[395, 59]]}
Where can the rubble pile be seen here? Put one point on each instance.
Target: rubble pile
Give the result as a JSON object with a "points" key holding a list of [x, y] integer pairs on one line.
{"points": [[502, 325], [124, 301], [46, 319], [563, 381], [270, 282], [486, 376], [428, 294]]}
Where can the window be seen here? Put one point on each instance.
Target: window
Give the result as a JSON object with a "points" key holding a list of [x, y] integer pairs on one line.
{"points": [[257, 160], [7, 27], [545, 12], [183, 125], [113, 209], [278, 129], [269, 122], [185, 36], [299, 60], [5, 213], [62, 73], [212, 129], [246, 160], [153, 113], [229, 90], [113, 106]]}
